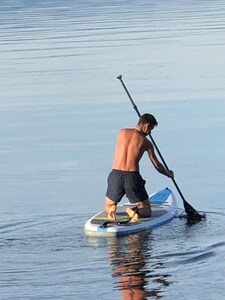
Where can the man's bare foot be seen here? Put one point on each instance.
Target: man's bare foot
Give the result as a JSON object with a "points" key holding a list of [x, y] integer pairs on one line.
{"points": [[132, 214]]}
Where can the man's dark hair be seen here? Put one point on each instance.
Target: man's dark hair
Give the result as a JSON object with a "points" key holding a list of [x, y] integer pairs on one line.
{"points": [[148, 119]]}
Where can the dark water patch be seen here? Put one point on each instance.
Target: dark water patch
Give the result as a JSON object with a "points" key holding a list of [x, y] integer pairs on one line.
{"points": [[219, 213], [14, 225], [201, 258], [217, 245], [192, 257]]}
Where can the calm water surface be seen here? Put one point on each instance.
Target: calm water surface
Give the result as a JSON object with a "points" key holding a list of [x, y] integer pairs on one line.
{"points": [[61, 107]]}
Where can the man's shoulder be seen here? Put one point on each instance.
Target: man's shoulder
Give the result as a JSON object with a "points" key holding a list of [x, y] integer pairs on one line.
{"points": [[124, 130], [127, 129]]}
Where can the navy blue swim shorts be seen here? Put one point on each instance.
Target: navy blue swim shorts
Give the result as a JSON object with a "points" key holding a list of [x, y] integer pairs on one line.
{"points": [[127, 183]]}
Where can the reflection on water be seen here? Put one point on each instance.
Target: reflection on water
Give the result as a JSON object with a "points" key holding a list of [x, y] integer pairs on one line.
{"points": [[53, 50], [137, 277]]}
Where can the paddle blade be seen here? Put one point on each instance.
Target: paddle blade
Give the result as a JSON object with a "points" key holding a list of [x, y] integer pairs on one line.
{"points": [[192, 215]]}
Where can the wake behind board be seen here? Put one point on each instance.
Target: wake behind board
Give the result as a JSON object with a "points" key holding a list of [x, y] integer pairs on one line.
{"points": [[164, 209]]}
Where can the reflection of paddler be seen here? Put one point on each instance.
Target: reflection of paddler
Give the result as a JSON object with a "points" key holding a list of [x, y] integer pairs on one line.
{"points": [[128, 257]]}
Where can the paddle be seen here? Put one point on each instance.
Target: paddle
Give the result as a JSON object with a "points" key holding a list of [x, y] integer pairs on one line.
{"points": [[192, 215]]}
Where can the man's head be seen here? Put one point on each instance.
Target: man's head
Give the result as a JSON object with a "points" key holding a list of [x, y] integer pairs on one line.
{"points": [[147, 122]]}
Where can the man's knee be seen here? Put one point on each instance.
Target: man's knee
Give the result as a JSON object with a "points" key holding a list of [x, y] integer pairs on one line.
{"points": [[145, 212], [144, 209]]}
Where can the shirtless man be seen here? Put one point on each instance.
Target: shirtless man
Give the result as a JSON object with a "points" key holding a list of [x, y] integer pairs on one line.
{"points": [[125, 177]]}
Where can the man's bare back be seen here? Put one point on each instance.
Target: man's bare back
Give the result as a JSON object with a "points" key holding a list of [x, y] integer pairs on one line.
{"points": [[131, 144]]}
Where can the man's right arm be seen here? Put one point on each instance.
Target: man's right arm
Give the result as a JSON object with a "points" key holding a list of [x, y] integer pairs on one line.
{"points": [[156, 163]]}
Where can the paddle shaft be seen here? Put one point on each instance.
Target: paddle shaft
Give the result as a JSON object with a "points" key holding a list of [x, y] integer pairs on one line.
{"points": [[186, 204]]}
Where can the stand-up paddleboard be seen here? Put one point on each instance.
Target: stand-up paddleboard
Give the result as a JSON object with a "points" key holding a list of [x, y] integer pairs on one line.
{"points": [[164, 209]]}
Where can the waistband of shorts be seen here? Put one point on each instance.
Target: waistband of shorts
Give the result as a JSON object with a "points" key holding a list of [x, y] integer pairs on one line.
{"points": [[125, 172]]}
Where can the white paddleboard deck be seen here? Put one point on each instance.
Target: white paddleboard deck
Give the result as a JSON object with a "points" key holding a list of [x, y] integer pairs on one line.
{"points": [[164, 209]]}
